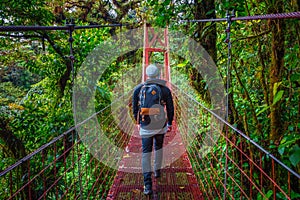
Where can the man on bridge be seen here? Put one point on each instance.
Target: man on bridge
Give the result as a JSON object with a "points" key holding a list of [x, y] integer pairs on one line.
{"points": [[150, 100]]}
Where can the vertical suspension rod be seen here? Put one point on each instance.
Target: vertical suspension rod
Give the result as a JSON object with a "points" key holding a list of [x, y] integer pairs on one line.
{"points": [[71, 26], [228, 74]]}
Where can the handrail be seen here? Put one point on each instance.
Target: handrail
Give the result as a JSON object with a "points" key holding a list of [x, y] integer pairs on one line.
{"points": [[291, 15], [50, 28]]}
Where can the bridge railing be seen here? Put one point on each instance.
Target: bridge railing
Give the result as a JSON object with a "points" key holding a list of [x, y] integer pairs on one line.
{"points": [[66, 168], [229, 164]]}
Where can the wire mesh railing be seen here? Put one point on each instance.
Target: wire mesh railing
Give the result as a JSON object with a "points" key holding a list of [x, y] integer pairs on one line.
{"points": [[65, 168], [227, 163]]}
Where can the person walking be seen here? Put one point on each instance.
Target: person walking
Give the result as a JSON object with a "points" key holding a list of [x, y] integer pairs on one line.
{"points": [[153, 110]]}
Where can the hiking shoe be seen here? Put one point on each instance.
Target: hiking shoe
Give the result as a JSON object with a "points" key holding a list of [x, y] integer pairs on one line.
{"points": [[148, 191], [157, 173]]}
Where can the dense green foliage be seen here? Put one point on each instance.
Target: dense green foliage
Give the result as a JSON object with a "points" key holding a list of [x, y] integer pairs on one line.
{"points": [[36, 72]]}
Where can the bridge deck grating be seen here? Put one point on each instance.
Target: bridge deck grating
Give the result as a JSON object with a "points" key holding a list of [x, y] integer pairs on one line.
{"points": [[177, 179]]}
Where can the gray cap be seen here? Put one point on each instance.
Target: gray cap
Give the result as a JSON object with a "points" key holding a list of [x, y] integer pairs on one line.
{"points": [[152, 71]]}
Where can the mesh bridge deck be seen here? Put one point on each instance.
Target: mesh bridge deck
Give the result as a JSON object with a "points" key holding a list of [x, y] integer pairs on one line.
{"points": [[177, 179]]}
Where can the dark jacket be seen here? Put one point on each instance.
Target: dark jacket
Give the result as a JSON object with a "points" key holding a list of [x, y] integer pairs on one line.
{"points": [[166, 97]]}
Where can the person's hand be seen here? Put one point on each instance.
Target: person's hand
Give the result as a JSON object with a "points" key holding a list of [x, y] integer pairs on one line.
{"points": [[169, 128]]}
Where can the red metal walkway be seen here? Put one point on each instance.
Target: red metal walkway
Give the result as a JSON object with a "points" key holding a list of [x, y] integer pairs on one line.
{"points": [[177, 180]]}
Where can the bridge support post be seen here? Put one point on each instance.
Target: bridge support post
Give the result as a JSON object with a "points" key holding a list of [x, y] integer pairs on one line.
{"points": [[156, 42]]}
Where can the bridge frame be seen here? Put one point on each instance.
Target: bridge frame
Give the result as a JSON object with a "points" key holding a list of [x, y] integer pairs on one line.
{"points": [[149, 47]]}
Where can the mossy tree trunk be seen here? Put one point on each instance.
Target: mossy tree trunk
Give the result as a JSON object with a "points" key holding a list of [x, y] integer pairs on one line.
{"points": [[276, 69]]}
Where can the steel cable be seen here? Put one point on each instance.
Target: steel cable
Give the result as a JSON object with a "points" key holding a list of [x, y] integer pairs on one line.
{"points": [[292, 15]]}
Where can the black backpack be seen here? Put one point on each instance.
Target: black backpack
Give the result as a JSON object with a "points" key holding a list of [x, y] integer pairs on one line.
{"points": [[152, 111]]}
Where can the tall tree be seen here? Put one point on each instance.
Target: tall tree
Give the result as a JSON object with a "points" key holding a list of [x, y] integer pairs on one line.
{"points": [[206, 33], [276, 67]]}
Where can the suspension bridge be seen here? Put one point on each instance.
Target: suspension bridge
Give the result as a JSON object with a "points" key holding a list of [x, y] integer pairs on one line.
{"points": [[196, 166]]}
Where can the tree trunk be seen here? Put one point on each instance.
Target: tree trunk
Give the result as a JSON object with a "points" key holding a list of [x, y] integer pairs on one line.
{"points": [[276, 69], [14, 144], [205, 35], [16, 150], [209, 39]]}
